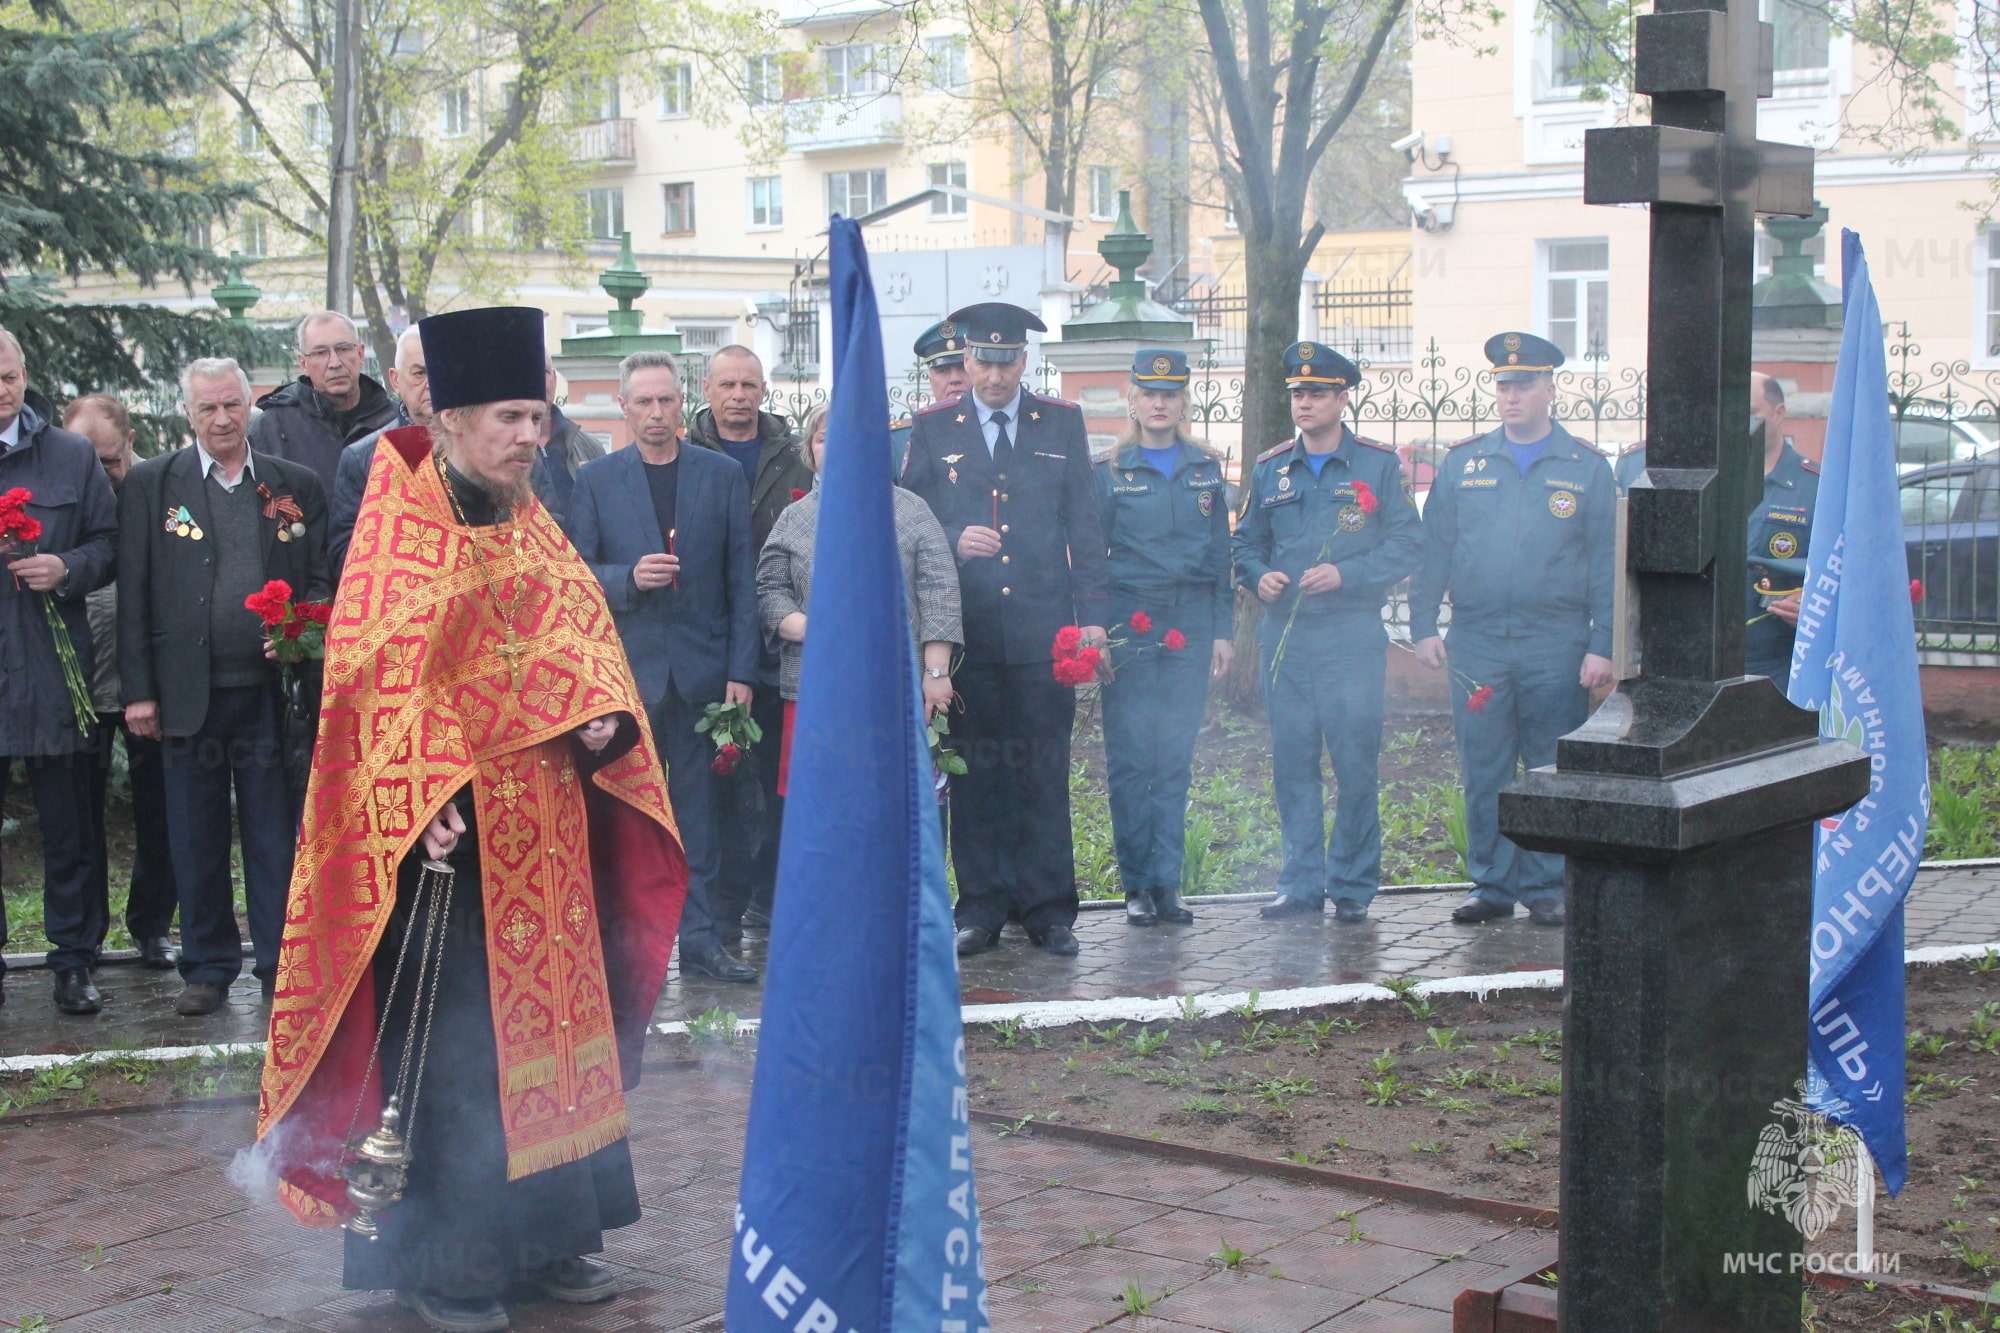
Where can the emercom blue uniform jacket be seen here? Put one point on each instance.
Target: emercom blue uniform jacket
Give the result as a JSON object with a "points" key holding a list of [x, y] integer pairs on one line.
{"points": [[1168, 538], [1296, 520], [1521, 556]]}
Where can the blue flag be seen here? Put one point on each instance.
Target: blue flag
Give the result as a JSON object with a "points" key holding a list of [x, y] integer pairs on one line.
{"points": [[856, 1211], [1855, 661]]}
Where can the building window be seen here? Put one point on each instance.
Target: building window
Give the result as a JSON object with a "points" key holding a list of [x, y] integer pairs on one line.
{"points": [[677, 215], [1103, 194], [767, 201], [248, 139], [256, 236], [1229, 217], [945, 57], [1989, 292], [676, 90], [1577, 296], [318, 126], [455, 116], [1567, 57], [854, 194], [764, 80], [604, 211], [705, 338], [850, 70], [949, 205], [408, 42], [1108, 87], [597, 99], [1801, 36]]}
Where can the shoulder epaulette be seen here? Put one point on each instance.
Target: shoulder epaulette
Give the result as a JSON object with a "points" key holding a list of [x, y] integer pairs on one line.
{"points": [[939, 407], [899, 423], [1457, 444], [1375, 444], [1275, 450], [1809, 466], [1631, 448], [1051, 398]]}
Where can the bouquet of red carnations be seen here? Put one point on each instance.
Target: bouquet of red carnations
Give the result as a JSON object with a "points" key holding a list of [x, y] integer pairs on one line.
{"points": [[733, 730], [19, 531], [293, 631]]}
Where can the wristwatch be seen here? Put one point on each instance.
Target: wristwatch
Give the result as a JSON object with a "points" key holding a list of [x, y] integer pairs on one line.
{"points": [[936, 673]]}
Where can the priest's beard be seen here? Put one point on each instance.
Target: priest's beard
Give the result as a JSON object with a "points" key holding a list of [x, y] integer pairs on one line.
{"points": [[508, 495]]}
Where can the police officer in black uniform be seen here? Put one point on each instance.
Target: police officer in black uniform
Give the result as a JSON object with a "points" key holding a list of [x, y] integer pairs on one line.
{"points": [[1007, 472], [1519, 530], [1166, 523], [1329, 529], [940, 351], [1780, 532]]}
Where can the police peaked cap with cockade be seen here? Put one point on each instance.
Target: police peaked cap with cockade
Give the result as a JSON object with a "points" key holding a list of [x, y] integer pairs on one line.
{"points": [[996, 331], [491, 355], [1519, 356]]}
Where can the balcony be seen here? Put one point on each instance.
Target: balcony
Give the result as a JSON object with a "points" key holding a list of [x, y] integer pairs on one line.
{"points": [[607, 143], [830, 124]]}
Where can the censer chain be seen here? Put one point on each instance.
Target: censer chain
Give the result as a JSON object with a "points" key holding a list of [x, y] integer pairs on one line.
{"points": [[431, 886]]}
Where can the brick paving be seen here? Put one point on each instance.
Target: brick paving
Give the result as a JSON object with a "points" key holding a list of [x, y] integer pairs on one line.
{"points": [[184, 1252], [1228, 948]]}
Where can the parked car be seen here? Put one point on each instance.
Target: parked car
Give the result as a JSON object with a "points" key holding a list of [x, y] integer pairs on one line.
{"points": [[1951, 531], [1923, 441]]}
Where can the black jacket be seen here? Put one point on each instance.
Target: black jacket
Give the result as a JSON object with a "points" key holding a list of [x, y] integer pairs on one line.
{"points": [[166, 579], [783, 474], [299, 425], [1051, 571], [79, 518]]}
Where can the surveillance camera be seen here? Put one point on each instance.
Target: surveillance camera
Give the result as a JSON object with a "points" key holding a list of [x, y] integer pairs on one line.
{"points": [[1408, 141], [1427, 219]]}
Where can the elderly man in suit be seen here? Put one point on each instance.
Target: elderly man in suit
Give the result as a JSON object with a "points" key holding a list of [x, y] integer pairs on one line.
{"points": [[200, 529], [666, 529]]}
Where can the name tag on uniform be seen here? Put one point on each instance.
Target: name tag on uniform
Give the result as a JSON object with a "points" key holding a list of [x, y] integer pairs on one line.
{"points": [[1057, 457], [1132, 490], [1279, 498], [1477, 483], [1556, 483], [1788, 516], [1197, 482]]}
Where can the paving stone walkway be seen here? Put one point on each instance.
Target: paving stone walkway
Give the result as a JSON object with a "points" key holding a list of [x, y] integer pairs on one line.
{"points": [[1228, 948], [184, 1252]]}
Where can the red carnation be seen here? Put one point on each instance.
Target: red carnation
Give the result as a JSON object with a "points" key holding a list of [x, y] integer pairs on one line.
{"points": [[1479, 698], [16, 498], [1080, 669], [726, 758], [1916, 590], [270, 602], [1067, 640], [1364, 498], [1141, 623], [319, 613], [22, 528], [798, 494], [294, 628], [1174, 641]]}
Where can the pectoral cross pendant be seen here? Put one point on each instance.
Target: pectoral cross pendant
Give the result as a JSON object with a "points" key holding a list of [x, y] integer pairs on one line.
{"points": [[513, 650]]}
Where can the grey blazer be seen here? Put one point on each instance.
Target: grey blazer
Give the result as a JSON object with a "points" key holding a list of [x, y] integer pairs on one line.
{"points": [[784, 577]]}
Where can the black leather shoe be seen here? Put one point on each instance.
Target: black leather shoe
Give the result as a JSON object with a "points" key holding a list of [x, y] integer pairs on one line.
{"points": [[715, 962], [1058, 940], [158, 953], [976, 939], [75, 994], [1349, 911], [1139, 910], [1281, 907], [575, 1281], [1171, 908], [1548, 914], [450, 1314], [1476, 909], [198, 998]]}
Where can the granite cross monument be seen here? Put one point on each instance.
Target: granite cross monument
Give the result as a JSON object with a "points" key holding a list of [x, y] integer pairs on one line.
{"points": [[1686, 803]]}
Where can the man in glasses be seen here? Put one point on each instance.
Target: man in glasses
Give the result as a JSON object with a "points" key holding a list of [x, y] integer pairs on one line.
{"points": [[329, 406]]}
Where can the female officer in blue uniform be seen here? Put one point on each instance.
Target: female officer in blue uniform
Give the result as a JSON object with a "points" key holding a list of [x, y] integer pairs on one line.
{"points": [[1166, 524]]}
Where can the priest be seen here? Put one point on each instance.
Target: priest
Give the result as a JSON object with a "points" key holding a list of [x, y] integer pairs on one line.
{"points": [[478, 712]]}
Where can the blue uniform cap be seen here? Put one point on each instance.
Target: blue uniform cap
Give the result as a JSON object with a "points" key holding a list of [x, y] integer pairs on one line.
{"points": [[1159, 368], [1519, 356], [995, 330], [490, 355], [1316, 363], [942, 344]]}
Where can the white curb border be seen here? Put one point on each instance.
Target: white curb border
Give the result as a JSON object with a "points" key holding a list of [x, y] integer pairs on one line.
{"points": [[1058, 1013]]}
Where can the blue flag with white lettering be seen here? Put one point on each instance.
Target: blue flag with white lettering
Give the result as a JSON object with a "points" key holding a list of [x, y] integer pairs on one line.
{"points": [[856, 1211], [1855, 661]]}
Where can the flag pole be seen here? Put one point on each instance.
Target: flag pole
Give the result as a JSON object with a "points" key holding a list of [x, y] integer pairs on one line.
{"points": [[1864, 1206]]}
